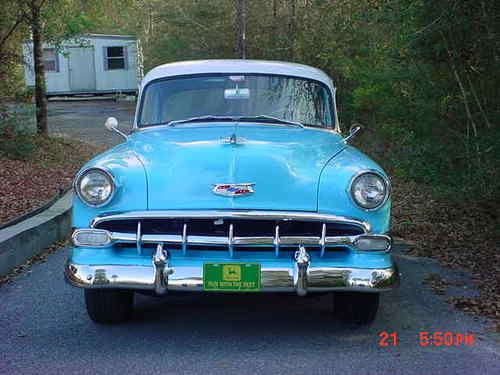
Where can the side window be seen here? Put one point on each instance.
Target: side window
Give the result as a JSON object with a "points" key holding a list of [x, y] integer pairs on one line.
{"points": [[50, 60], [115, 58]]}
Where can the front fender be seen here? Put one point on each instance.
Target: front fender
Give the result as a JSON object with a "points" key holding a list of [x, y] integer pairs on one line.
{"points": [[333, 191], [131, 190]]}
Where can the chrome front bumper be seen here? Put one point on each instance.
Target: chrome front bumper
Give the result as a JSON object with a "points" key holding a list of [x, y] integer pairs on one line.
{"points": [[300, 277]]}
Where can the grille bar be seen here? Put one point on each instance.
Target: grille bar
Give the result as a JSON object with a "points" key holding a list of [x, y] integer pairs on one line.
{"points": [[276, 241], [184, 239], [230, 240], [138, 238], [322, 242]]}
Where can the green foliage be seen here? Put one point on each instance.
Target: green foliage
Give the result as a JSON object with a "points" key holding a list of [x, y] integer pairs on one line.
{"points": [[24, 95], [444, 165], [11, 74], [17, 148], [395, 64], [16, 131], [421, 75]]}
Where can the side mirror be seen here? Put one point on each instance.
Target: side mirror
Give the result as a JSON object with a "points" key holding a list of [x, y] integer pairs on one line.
{"points": [[112, 125], [353, 130]]}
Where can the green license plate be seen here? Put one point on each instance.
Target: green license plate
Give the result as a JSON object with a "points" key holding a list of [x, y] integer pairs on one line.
{"points": [[231, 277]]}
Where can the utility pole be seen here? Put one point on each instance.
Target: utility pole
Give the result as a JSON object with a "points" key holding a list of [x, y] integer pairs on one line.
{"points": [[241, 28]]}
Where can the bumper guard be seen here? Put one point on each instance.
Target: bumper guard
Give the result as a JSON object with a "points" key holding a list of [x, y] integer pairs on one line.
{"points": [[301, 277]]}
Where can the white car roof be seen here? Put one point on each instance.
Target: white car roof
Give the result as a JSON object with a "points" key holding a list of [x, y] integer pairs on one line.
{"points": [[237, 66]]}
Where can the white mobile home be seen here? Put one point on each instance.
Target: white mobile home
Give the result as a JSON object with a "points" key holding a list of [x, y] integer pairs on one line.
{"points": [[89, 64]]}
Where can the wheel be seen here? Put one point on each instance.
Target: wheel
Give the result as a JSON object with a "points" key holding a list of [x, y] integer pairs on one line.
{"points": [[355, 307], [108, 306]]}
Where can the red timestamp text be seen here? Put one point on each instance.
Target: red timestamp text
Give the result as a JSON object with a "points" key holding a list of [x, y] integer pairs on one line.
{"points": [[437, 339], [446, 339]]}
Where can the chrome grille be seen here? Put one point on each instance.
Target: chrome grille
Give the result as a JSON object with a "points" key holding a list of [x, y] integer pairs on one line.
{"points": [[231, 230]]}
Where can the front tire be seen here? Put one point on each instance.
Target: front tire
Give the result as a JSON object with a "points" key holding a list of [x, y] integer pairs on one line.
{"points": [[108, 306], [359, 308]]}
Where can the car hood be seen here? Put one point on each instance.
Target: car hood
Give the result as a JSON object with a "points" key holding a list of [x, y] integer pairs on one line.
{"points": [[183, 163]]}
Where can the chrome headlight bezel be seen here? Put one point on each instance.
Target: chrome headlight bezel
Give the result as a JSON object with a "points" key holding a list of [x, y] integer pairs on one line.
{"points": [[383, 179], [107, 174]]}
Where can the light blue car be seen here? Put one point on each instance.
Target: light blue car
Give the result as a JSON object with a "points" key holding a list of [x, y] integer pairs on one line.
{"points": [[235, 179]]}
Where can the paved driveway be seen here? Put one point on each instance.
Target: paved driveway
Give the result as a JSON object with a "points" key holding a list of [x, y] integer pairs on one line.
{"points": [[44, 330], [84, 120]]}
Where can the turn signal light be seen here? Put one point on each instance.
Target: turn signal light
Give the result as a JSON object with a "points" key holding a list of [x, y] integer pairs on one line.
{"points": [[373, 243], [91, 237]]}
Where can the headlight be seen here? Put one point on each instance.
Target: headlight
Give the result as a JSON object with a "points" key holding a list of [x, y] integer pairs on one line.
{"points": [[369, 190], [95, 187]]}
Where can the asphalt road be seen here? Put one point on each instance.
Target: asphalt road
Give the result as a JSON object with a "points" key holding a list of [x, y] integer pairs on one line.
{"points": [[44, 330], [84, 120]]}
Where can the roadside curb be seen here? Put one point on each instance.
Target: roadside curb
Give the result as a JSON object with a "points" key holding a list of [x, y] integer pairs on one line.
{"points": [[23, 240], [36, 211]]}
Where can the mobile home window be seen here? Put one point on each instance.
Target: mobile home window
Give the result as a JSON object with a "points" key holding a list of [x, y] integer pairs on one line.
{"points": [[50, 60], [114, 58]]}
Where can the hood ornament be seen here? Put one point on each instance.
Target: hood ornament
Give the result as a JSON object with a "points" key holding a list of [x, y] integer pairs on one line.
{"points": [[233, 140], [233, 190]]}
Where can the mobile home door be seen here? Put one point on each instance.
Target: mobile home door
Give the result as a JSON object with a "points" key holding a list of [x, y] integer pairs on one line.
{"points": [[81, 69]]}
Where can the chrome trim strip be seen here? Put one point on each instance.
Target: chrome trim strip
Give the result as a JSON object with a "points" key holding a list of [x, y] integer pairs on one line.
{"points": [[164, 238], [273, 279], [208, 240], [253, 241], [221, 214], [232, 242], [125, 237], [342, 240], [297, 240]]}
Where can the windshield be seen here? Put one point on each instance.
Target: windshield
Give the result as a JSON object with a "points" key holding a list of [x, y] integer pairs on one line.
{"points": [[237, 96]]}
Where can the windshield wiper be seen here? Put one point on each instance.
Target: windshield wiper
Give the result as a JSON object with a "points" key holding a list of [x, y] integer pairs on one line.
{"points": [[202, 118], [271, 119], [235, 118]]}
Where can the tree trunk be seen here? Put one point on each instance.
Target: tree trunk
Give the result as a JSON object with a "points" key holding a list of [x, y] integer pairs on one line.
{"points": [[40, 97], [241, 26]]}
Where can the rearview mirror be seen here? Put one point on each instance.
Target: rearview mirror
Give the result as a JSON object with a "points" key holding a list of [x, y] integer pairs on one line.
{"points": [[353, 130], [237, 93], [112, 125]]}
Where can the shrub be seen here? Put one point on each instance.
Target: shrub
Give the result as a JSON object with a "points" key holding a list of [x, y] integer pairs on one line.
{"points": [[16, 131]]}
